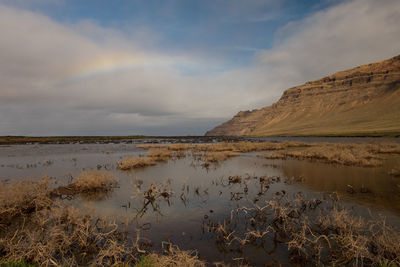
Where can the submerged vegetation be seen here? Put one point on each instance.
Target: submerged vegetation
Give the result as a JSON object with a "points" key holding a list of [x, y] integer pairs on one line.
{"points": [[316, 231], [39, 226], [41, 230]]}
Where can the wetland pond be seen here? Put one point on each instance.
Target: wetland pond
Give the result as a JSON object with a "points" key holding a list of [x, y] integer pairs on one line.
{"points": [[201, 198]]}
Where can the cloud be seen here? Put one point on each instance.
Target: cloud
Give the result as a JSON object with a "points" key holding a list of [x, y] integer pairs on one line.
{"points": [[349, 34], [87, 79], [54, 75]]}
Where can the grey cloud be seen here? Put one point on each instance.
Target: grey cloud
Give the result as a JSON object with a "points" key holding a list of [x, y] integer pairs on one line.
{"points": [[37, 96], [41, 92]]}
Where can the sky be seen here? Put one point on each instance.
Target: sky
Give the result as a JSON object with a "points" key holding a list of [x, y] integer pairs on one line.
{"points": [[178, 67]]}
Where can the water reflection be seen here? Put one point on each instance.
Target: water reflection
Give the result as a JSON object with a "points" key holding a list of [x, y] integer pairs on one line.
{"points": [[184, 202], [371, 186]]}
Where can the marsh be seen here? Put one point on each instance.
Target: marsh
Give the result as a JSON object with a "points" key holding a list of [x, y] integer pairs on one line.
{"points": [[197, 199]]}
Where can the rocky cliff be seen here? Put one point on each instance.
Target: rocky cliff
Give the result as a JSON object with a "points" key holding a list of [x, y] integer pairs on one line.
{"points": [[361, 101]]}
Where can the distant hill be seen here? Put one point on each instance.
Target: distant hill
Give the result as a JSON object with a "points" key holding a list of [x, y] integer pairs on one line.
{"points": [[361, 101]]}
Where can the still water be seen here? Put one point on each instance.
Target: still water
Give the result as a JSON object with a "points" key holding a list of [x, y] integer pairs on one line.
{"points": [[202, 194]]}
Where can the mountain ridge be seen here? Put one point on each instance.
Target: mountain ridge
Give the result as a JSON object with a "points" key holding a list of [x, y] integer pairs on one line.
{"points": [[361, 101]]}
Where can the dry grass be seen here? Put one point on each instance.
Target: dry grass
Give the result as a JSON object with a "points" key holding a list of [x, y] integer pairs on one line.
{"points": [[23, 197], [89, 184], [160, 154], [173, 147], [154, 155], [174, 257], [395, 172], [346, 154], [37, 229], [206, 153], [383, 148], [335, 237], [348, 239], [27, 197], [213, 153], [265, 146], [151, 195], [135, 162], [217, 156], [242, 147], [66, 236], [95, 180], [245, 146]]}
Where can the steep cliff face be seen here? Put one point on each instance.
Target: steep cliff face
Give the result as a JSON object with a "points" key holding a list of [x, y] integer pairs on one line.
{"points": [[361, 101]]}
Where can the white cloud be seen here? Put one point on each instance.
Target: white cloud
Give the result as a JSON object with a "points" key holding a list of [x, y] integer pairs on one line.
{"points": [[87, 79], [349, 34]]}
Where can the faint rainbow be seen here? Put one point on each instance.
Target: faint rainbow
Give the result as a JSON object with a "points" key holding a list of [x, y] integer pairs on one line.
{"points": [[104, 64], [118, 62]]}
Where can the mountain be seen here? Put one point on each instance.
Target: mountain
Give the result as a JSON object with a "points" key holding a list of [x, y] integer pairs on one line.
{"points": [[361, 101]]}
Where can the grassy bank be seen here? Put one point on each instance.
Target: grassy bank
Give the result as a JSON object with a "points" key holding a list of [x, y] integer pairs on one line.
{"points": [[391, 134]]}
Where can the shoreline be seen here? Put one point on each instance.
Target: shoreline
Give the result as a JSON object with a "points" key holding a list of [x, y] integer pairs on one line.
{"points": [[12, 140]]}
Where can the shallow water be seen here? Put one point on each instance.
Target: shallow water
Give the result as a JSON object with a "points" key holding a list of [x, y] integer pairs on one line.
{"points": [[202, 194]]}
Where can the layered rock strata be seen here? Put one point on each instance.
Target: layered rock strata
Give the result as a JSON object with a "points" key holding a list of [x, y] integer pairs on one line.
{"points": [[361, 101]]}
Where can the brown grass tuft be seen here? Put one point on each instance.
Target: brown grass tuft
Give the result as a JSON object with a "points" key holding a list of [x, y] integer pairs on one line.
{"points": [[345, 154], [66, 236], [173, 147], [95, 180], [160, 154], [154, 155], [23, 197], [395, 172], [135, 162], [174, 257], [217, 156], [383, 148]]}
